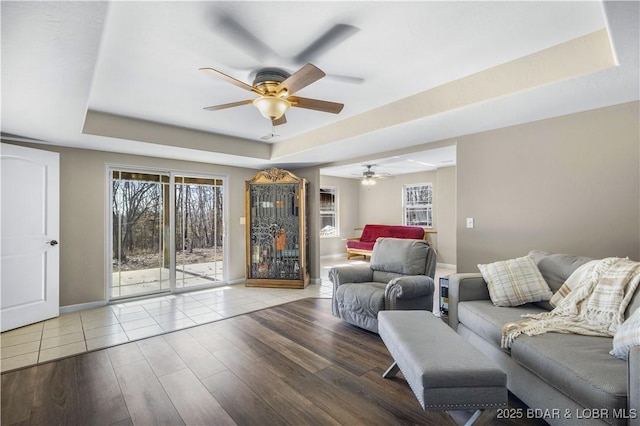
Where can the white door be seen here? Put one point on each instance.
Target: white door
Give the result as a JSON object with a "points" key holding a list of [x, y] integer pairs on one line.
{"points": [[29, 231]]}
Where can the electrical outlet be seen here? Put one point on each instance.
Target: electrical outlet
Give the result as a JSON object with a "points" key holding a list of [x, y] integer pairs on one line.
{"points": [[242, 221], [469, 222]]}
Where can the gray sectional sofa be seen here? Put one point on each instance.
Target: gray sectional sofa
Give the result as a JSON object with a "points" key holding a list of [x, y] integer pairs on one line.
{"points": [[564, 379]]}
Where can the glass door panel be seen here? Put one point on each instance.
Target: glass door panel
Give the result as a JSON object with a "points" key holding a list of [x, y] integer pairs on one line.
{"points": [[275, 231], [140, 261], [199, 231]]}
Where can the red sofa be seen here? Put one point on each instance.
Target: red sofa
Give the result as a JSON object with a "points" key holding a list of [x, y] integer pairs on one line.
{"points": [[363, 246]]}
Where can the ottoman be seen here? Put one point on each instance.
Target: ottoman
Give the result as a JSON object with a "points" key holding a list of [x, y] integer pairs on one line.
{"points": [[444, 371]]}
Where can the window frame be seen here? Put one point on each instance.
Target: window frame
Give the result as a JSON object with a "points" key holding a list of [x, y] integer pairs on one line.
{"points": [[426, 205], [333, 190]]}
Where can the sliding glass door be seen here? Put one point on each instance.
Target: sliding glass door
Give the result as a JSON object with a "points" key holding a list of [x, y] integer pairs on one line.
{"points": [[167, 232]]}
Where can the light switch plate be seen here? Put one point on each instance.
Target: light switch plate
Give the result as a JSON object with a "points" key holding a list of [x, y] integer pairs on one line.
{"points": [[469, 222]]}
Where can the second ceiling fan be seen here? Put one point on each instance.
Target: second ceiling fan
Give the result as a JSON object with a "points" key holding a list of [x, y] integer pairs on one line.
{"points": [[369, 176], [275, 88]]}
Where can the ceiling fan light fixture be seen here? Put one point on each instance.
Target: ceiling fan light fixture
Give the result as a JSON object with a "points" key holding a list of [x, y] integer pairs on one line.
{"points": [[368, 181], [271, 107]]}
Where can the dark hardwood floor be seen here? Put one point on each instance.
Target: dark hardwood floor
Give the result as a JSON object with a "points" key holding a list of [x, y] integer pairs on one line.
{"points": [[291, 364]]}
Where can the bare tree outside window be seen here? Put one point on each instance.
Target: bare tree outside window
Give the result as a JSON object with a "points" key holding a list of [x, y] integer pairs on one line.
{"points": [[417, 204], [141, 246], [138, 244], [199, 230], [329, 212]]}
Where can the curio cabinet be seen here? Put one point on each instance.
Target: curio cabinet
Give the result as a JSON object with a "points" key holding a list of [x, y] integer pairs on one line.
{"points": [[277, 230]]}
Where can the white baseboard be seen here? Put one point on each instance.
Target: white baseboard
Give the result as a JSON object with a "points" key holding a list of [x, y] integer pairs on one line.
{"points": [[334, 256], [82, 306], [447, 266], [242, 280]]}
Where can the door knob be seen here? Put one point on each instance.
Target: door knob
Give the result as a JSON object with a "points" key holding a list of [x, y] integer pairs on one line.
{"points": [[52, 243]]}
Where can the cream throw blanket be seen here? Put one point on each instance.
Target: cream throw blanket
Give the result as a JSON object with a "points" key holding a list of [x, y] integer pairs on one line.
{"points": [[594, 307]]}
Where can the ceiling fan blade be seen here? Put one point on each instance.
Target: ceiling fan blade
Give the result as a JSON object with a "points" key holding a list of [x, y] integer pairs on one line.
{"points": [[240, 35], [346, 78], [279, 121], [337, 34], [229, 105], [316, 104], [302, 78], [232, 80]]}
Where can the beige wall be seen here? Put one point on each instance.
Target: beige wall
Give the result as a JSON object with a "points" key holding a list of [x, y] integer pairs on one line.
{"points": [[569, 184], [83, 226], [348, 210], [445, 212], [312, 174]]}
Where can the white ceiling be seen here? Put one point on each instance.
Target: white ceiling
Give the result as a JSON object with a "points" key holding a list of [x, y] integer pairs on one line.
{"points": [[123, 76]]}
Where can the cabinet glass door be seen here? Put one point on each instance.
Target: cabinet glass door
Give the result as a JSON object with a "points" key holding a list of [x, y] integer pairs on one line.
{"points": [[275, 232]]}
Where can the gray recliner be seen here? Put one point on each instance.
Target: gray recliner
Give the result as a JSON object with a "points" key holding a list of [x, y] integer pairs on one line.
{"points": [[398, 277]]}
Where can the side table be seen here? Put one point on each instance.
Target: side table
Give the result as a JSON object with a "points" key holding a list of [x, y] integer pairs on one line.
{"points": [[444, 296]]}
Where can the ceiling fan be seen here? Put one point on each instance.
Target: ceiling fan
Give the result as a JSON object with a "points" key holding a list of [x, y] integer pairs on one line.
{"points": [[369, 176], [275, 88]]}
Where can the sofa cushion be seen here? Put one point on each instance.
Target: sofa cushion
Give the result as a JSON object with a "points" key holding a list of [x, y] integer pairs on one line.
{"points": [[372, 232], [578, 366], [634, 304], [627, 335], [581, 273], [555, 267], [515, 282], [486, 320], [402, 256]]}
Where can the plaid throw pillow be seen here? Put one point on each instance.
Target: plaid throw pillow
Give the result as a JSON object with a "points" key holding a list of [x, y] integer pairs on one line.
{"points": [[515, 282], [627, 335]]}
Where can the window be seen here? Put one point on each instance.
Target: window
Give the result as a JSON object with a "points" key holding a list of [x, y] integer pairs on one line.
{"points": [[329, 212], [417, 204]]}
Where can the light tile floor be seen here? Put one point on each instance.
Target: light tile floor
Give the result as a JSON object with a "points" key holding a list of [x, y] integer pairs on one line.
{"points": [[114, 324], [82, 331]]}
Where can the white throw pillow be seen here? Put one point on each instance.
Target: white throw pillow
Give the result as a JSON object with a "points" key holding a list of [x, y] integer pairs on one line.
{"points": [[627, 335], [515, 282]]}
